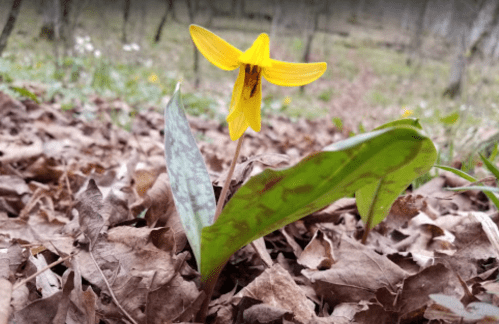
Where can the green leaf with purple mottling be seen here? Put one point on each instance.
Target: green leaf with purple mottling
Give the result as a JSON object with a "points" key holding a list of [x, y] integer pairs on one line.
{"points": [[191, 186], [273, 199], [379, 196]]}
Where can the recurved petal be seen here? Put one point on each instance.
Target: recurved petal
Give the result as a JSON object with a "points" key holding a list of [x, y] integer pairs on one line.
{"points": [[293, 74], [258, 53], [220, 53]]}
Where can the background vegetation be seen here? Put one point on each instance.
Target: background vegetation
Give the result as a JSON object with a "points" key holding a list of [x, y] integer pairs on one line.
{"points": [[431, 59]]}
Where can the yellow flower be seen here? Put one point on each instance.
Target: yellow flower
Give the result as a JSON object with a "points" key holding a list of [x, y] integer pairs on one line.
{"points": [[407, 113], [153, 78], [286, 101], [246, 100]]}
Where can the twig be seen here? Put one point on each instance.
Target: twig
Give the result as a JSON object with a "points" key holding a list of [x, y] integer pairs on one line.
{"points": [[226, 186], [22, 282], [110, 290]]}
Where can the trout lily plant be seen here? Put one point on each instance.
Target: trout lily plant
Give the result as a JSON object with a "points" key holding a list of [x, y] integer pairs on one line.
{"points": [[376, 166]]}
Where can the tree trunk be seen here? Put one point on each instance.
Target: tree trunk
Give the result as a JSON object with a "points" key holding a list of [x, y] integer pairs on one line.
{"points": [[11, 21], [415, 45], [191, 10], [169, 9], [483, 24], [126, 14], [457, 69], [463, 17], [276, 19], [50, 10], [143, 19], [405, 18], [237, 8], [56, 23], [311, 28], [66, 32]]}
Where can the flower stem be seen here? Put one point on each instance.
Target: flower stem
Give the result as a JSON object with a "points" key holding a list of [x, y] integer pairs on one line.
{"points": [[226, 186], [209, 285]]}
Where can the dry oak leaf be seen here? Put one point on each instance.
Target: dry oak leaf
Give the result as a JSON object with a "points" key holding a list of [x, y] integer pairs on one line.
{"points": [[358, 272]]}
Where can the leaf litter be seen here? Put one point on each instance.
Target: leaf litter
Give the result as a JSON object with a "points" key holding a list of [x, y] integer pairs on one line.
{"points": [[97, 197]]}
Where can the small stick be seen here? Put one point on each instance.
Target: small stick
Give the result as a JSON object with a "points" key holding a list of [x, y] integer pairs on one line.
{"points": [[22, 282], [111, 291], [226, 186]]}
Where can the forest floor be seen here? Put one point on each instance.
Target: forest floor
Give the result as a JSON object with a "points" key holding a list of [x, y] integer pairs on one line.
{"points": [[100, 118], [58, 169]]}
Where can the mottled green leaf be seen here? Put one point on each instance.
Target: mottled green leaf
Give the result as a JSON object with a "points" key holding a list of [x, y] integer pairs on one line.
{"points": [[376, 199], [466, 176], [191, 186], [273, 198]]}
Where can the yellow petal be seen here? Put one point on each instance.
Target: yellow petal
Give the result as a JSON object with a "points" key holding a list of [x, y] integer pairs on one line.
{"points": [[258, 53], [215, 49], [236, 120], [293, 74]]}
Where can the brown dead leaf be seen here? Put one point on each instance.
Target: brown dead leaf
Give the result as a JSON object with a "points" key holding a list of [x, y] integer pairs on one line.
{"points": [[319, 253], [265, 314], [375, 314], [62, 311], [276, 288], [5, 297], [357, 274], [41, 311], [437, 279], [89, 207], [161, 209], [170, 300]]}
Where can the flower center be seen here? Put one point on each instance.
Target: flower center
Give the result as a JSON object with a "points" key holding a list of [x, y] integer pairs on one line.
{"points": [[251, 78]]}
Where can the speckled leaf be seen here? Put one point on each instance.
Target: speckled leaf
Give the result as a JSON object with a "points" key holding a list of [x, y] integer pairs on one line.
{"points": [[273, 198], [189, 179], [381, 194]]}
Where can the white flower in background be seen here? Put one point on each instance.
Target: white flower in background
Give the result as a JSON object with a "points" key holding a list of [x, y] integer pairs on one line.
{"points": [[83, 44], [89, 47], [97, 53], [131, 47]]}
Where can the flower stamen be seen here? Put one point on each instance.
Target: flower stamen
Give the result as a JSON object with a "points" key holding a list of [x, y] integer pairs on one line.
{"points": [[252, 77]]}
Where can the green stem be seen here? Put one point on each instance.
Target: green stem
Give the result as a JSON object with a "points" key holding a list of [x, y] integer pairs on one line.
{"points": [[371, 212], [209, 285], [225, 189]]}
